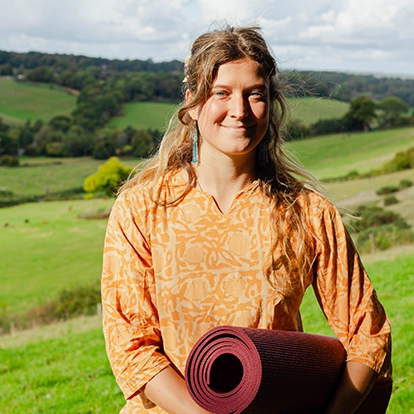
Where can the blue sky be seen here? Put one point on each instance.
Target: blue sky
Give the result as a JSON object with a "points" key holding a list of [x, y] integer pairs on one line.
{"points": [[364, 36]]}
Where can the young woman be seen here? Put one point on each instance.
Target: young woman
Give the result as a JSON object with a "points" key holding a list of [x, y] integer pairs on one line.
{"points": [[217, 229]]}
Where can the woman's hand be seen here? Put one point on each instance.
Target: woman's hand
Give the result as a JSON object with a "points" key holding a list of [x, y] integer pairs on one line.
{"points": [[168, 390]]}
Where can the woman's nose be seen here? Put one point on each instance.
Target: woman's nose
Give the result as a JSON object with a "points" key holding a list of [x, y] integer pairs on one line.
{"points": [[239, 107]]}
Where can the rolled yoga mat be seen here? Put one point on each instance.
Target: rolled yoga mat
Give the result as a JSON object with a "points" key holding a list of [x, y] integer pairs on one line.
{"points": [[235, 370]]}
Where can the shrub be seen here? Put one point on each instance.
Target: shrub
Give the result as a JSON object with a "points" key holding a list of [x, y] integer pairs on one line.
{"points": [[108, 177], [384, 227], [9, 161], [388, 189], [384, 237], [390, 200], [373, 216], [81, 300], [405, 183]]}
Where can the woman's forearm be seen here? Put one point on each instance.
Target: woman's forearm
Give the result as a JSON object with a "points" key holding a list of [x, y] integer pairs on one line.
{"points": [[356, 382], [168, 390]]}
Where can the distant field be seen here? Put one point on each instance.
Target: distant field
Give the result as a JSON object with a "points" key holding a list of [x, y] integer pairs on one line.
{"points": [[46, 248], [309, 110], [154, 115], [42, 175], [21, 101], [157, 115], [336, 155]]}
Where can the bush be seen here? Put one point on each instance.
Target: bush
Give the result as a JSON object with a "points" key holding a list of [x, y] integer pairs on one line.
{"points": [[9, 161], [108, 177], [384, 227], [390, 200], [405, 183], [384, 237], [388, 189], [373, 216]]}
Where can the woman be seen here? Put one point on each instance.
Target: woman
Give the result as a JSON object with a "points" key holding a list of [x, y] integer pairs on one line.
{"points": [[217, 229]]}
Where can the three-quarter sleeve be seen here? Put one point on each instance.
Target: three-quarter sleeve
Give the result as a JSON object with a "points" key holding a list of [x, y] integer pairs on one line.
{"points": [[130, 317], [347, 296]]}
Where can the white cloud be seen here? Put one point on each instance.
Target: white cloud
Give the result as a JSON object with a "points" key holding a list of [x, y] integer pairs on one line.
{"points": [[349, 34]]}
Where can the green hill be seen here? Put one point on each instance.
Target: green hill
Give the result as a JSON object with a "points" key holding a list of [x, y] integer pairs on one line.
{"points": [[156, 115], [22, 101], [153, 115], [336, 155], [62, 250]]}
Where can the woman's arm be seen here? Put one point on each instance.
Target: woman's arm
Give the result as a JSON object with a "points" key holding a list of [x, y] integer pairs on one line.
{"points": [[168, 390], [356, 382]]}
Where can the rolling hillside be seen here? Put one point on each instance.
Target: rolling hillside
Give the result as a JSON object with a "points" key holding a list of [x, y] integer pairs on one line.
{"points": [[22, 101]]}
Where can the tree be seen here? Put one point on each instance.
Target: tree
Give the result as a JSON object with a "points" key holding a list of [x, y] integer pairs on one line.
{"points": [[78, 142], [8, 146], [108, 177], [393, 109], [3, 127], [60, 123], [45, 136], [142, 143], [26, 135], [360, 115]]}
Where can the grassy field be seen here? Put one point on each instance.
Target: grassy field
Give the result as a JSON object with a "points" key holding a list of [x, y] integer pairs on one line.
{"points": [[157, 115], [336, 155], [40, 175], [309, 110], [45, 247], [63, 368], [21, 101], [154, 115]]}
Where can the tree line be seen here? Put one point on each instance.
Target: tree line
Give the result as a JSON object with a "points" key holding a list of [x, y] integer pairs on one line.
{"points": [[364, 114], [104, 85]]}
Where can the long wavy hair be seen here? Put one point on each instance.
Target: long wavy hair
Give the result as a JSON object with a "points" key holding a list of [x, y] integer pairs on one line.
{"points": [[281, 179]]}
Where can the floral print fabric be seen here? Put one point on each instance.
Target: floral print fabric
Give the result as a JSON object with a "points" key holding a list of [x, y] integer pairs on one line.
{"points": [[172, 273]]}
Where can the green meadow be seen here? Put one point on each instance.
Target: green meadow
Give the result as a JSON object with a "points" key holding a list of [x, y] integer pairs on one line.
{"points": [[47, 246], [336, 155], [22, 101], [144, 115], [157, 115]]}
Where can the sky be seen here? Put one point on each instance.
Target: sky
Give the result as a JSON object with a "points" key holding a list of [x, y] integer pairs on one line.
{"points": [[358, 36]]}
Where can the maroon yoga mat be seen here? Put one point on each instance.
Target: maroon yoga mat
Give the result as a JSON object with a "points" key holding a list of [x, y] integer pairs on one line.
{"points": [[234, 370]]}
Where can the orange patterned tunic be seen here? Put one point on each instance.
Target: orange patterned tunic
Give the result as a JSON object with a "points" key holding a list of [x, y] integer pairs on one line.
{"points": [[172, 273]]}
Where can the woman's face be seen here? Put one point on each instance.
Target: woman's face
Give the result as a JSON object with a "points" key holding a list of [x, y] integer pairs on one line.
{"points": [[234, 118]]}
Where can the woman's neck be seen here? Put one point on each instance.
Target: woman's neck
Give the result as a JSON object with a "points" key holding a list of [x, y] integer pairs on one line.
{"points": [[224, 177]]}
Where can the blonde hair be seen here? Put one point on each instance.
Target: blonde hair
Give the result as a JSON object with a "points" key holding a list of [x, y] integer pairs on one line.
{"points": [[278, 178]]}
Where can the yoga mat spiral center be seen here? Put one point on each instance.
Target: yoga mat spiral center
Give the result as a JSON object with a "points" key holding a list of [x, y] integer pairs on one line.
{"points": [[260, 371], [226, 373]]}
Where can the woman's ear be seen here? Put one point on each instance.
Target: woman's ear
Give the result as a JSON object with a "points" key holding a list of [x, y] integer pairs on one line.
{"points": [[194, 111]]}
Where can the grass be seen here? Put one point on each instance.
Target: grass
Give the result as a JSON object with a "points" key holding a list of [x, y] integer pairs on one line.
{"points": [[144, 115], [31, 101], [41, 175], [63, 368], [336, 155], [393, 279], [309, 110], [157, 114], [67, 372], [52, 251]]}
